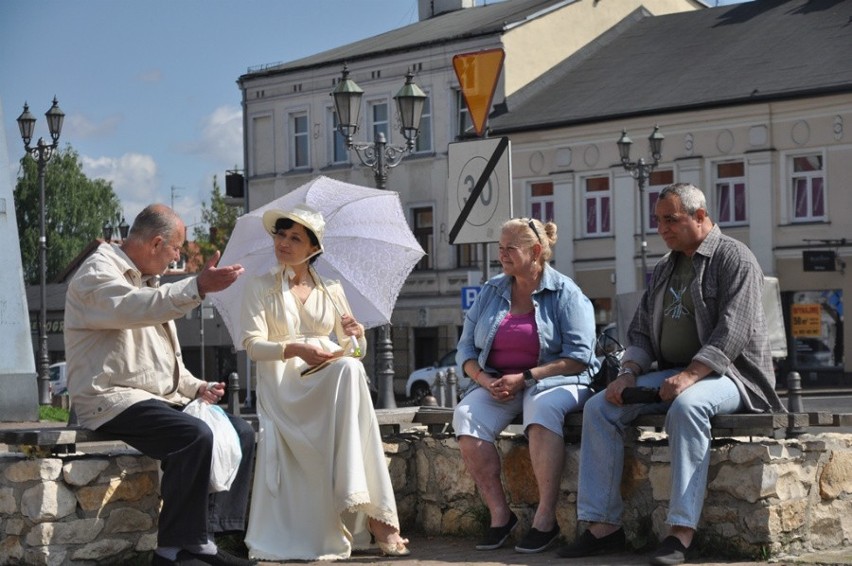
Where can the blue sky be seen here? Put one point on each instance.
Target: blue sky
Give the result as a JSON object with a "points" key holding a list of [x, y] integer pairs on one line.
{"points": [[149, 87]]}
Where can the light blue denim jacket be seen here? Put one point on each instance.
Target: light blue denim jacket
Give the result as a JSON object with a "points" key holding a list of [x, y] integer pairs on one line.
{"points": [[564, 317]]}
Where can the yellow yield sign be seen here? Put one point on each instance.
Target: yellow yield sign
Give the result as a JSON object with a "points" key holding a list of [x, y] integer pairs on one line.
{"points": [[478, 73]]}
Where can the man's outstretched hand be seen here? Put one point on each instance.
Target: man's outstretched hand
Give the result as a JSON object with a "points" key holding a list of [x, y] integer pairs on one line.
{"points": [[212, 278]]}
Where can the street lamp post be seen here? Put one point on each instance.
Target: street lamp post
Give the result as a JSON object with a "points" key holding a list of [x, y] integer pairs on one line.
{"points": [[42, 153], [641, 171], [380, 156], [116, 230]]}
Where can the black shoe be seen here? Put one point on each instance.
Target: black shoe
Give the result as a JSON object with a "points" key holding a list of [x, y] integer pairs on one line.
{"points": [[671, 551], [537, 541], [589, 545], [221, 558], [496, 536], [184, 558]]}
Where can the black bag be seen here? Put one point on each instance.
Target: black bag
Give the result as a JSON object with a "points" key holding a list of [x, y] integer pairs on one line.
{"points": [[609, 352]]}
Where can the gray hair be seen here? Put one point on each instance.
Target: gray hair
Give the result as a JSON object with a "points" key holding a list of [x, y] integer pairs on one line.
{"points": [[154, 220], [691, 197]]}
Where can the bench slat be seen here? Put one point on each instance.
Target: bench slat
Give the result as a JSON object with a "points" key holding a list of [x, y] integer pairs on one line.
{"points": [[842, 419], [53, 436]]}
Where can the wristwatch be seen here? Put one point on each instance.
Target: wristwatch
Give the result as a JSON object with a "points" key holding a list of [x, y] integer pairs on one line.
{"points": [[625, 370], [529, 380]]}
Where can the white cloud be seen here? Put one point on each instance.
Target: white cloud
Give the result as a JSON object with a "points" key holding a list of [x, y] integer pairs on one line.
{"points": [[221, 139], [79, 126], [134, 179]]}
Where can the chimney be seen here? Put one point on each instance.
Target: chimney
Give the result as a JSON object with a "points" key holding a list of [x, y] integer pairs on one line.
{"points": [[431, 8]]}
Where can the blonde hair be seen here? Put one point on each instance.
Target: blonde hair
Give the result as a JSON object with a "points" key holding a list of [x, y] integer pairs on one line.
{"points": [[530, 231]]}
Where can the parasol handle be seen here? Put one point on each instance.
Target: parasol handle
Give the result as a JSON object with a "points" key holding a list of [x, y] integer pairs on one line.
{"points": [[356, 349]]}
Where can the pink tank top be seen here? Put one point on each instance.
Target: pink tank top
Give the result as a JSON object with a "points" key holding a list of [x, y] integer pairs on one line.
{"points": [[515, 347]]}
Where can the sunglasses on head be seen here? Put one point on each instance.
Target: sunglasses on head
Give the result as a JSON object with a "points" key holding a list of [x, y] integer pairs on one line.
{"points": [[531, 224]]}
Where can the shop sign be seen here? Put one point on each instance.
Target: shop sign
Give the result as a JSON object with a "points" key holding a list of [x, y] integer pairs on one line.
{"points": [[818, 260], [805, 320]]}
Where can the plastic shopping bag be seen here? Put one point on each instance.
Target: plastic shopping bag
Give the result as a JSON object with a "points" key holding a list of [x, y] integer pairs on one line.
{"points": [[226, 443]]}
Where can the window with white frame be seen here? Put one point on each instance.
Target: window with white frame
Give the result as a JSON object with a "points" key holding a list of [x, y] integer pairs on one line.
{"points": [[657, 181], [462, 122], [379, 119], [597, 206], [541, 201], [337, 152], [730, 193], [300, 141], [807, 188], [424, 231], [424, 137]]}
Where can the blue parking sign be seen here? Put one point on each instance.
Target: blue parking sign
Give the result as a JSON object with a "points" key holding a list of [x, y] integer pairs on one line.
{"points": [[468, 295]]}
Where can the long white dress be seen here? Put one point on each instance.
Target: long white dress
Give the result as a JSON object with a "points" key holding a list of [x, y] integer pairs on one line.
{"points": [[321, 468]]}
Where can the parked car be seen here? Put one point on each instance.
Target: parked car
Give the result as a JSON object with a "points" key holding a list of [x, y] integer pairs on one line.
{"points": [[58, 384], [421, 381], [813, 352]]}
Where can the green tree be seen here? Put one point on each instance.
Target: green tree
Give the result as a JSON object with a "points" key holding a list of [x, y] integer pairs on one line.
{"points": [[217, 223], [76, 208]]}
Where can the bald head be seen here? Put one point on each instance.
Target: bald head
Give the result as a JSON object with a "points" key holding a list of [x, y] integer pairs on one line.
{"points": [[155, 240], [155, 220]]}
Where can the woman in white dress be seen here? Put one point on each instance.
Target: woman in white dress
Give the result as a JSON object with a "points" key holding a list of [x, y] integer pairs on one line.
{"points": [[321, 483]]}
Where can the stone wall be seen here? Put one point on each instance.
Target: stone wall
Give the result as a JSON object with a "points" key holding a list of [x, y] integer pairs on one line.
{"points": [[77, 509], [765, 497]]}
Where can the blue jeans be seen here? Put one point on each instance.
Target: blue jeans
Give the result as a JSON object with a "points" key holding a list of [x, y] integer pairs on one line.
{"points": [[688, 429]]}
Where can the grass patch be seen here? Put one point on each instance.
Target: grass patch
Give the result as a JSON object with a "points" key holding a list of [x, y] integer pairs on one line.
{"points": [[49, 413]]}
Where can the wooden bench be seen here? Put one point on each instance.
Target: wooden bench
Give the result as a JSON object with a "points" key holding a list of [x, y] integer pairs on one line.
{"points": [[64, 439], [773, 425]]}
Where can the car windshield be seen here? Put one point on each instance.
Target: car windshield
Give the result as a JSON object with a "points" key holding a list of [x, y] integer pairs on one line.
{"points": [[449, 359]]}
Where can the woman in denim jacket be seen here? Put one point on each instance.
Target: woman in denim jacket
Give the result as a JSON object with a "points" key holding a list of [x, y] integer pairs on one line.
{"points": [[528, 346]]}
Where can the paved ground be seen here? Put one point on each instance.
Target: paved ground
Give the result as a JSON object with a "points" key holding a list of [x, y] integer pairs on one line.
{"points": [[448, 550]]}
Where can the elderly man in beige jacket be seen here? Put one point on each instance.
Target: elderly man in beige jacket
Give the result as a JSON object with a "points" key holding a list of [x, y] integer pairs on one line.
{"points": [[126, 377]]}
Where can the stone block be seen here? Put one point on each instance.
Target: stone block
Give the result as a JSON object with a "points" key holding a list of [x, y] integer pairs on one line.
{"points": [[743, 482], [80, 531], [519, 482], [45, 556], [131, 488], [11, 551], [661, 482], [570, 470], [462, 521], [634, 474], [398, 470], [146, 543], [83, 472], [831, 524], [30, 470], [14, 526], [787, 516], [746, 453], [431, 518], [136, 463], [128, 520], [788, 480], [47, 501], [836, 476], [101, 550], [8, 505]]}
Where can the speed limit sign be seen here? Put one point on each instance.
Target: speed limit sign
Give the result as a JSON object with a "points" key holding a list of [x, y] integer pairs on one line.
{"points": [[479, 189]]}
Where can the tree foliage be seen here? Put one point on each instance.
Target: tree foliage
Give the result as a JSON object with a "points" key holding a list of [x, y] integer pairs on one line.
{"points": [[217, 223], [76, 208]]}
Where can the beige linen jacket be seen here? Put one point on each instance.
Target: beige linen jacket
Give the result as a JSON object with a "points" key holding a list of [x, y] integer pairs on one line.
{"points": [[121, 344]]}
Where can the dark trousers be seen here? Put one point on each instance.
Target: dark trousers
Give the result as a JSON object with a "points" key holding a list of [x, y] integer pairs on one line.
{"points": [[184, 446]]}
